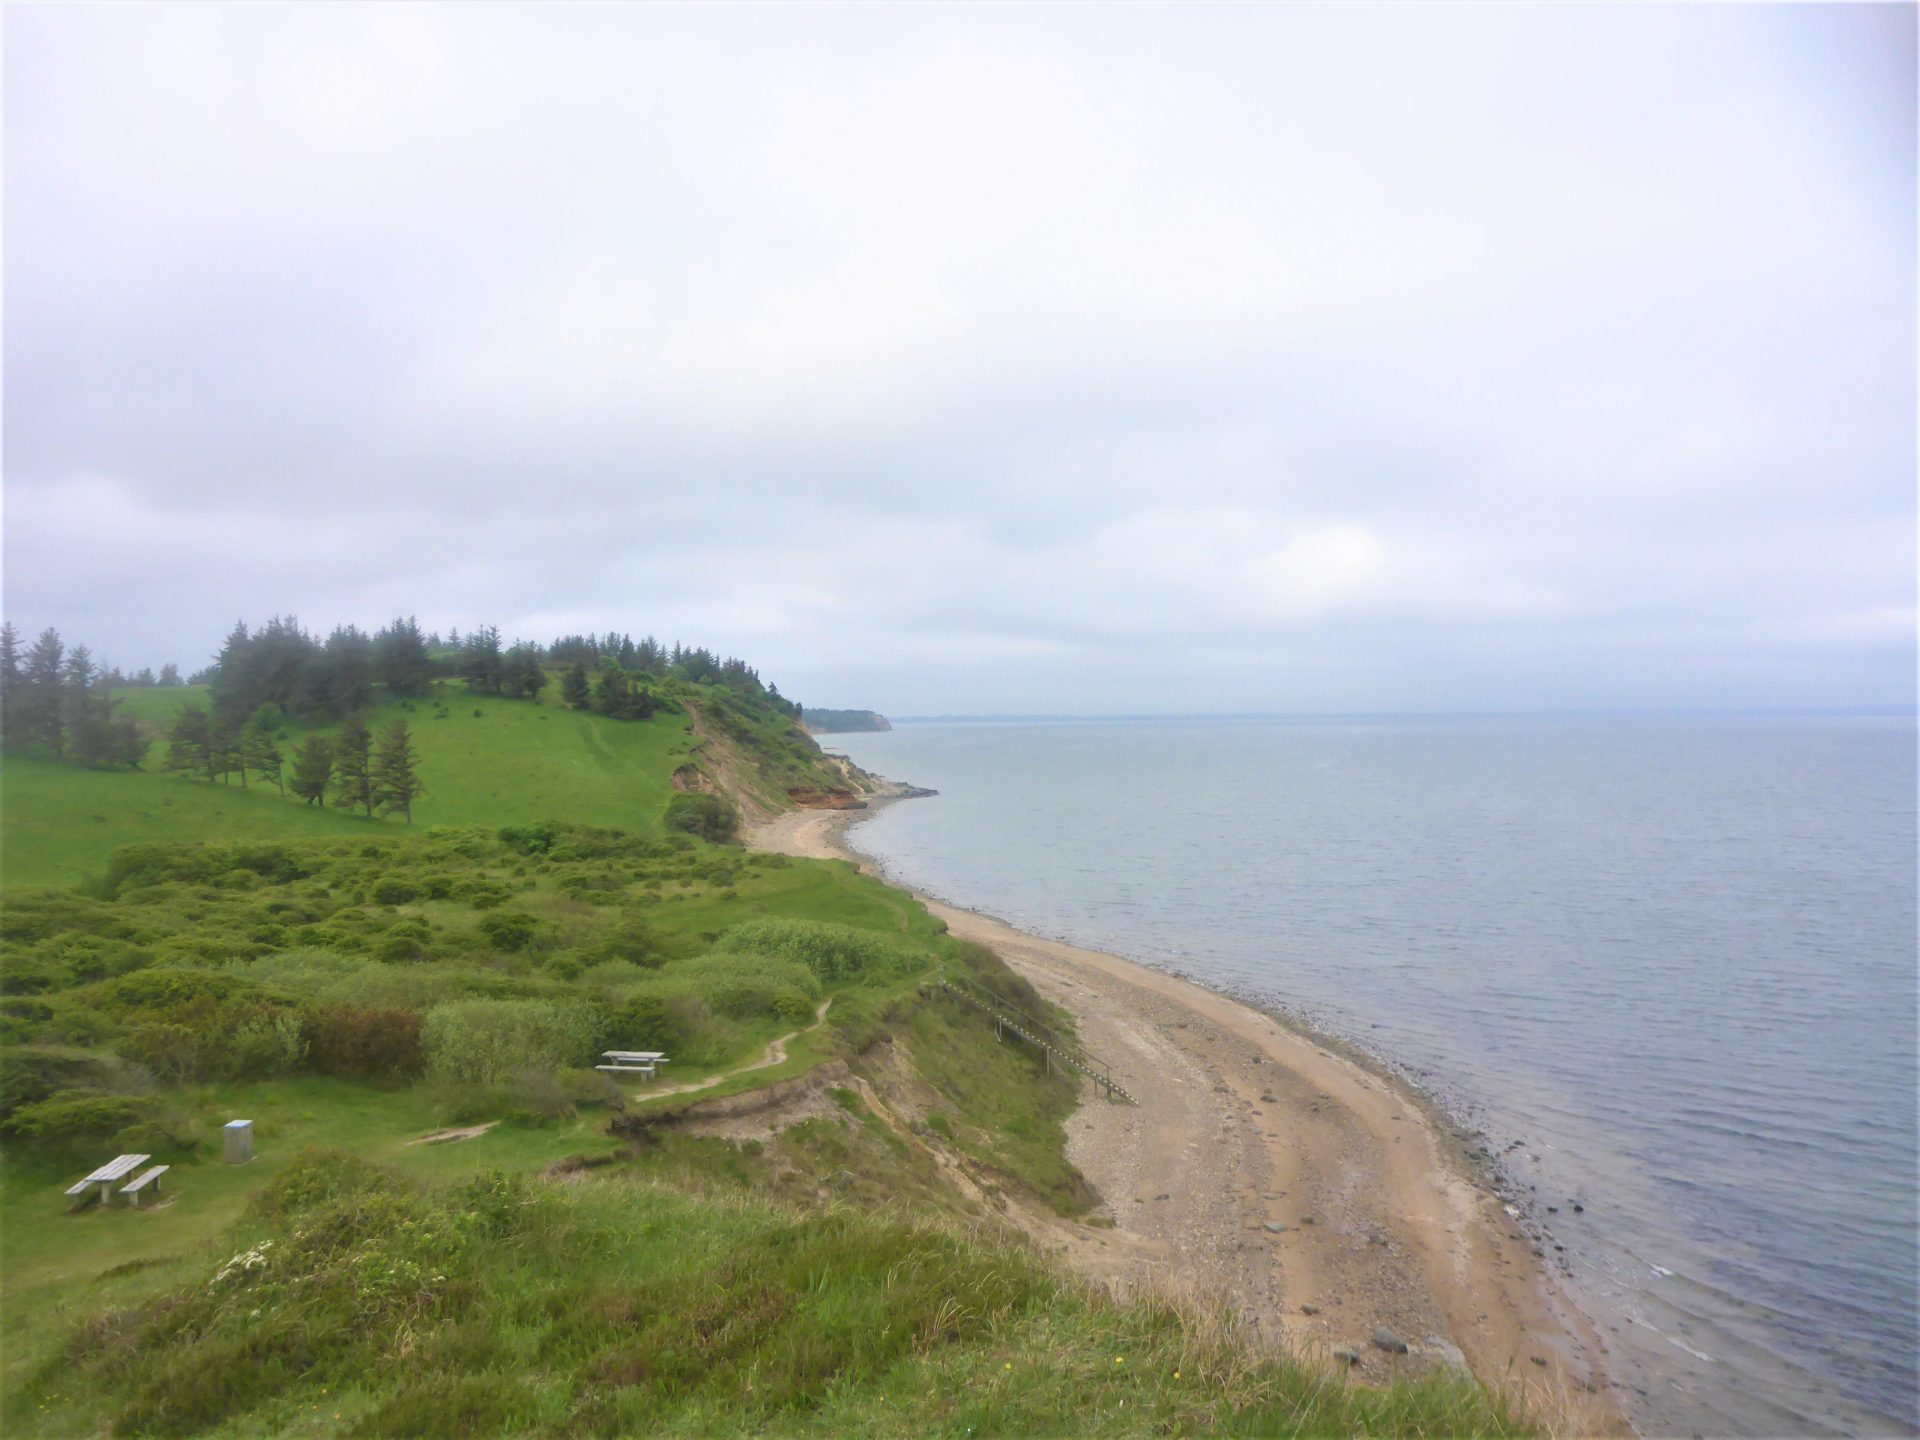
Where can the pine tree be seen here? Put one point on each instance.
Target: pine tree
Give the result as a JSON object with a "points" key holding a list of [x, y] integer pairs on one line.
{"points": [[12, 686], [576, 692], [522, 672], [169, 674], [396, 778], [191, 744], [128, 746], [400, 658], [78, 681], [612, 695], [40, 718], [258, 752], [482, 665], [347, 665], [353, 765], [97, 737], [313, 770]]}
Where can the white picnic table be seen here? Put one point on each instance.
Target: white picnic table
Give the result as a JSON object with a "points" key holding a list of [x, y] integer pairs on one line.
{"points": [[632, 1062], [115, 1169]]}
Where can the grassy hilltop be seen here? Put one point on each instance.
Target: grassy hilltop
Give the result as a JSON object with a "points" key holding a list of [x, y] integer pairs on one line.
{"points": [[768, 1239], [486, 760]]}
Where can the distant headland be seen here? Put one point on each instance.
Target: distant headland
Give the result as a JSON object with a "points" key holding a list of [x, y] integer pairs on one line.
{"points": [[842, 722]]}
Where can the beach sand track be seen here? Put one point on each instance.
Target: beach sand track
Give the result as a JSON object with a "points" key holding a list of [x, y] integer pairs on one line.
{"points": [[1245, 1123]]}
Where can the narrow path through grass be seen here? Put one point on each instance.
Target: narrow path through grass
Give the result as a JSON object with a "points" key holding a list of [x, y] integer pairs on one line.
{"points": [[775, 1053]]}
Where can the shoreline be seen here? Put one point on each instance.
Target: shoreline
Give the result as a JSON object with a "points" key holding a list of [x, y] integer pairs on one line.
{"points": [[1288, 1173]]}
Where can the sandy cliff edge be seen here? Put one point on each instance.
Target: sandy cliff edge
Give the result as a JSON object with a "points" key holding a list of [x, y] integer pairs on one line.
{"points": [[1319, 1196]]}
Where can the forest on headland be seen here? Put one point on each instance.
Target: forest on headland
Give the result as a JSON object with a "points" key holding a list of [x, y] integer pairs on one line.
{"points": [[456, 1223]]}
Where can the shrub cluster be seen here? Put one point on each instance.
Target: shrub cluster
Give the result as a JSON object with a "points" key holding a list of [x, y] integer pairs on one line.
{"points": [[493, 965], [711, 817], [832, 952]]}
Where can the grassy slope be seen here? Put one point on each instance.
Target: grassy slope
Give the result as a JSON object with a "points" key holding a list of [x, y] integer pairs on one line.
{"points": [[59, 822], [515, 763], [812, 1283]]}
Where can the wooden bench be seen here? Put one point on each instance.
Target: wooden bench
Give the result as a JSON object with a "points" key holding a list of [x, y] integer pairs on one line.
{"points": [[103, 1179], [632, 1062], [133, 1187]]}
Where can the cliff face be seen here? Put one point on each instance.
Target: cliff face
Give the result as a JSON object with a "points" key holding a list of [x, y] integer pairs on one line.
{"points": [[764, 772], [840, 722]]}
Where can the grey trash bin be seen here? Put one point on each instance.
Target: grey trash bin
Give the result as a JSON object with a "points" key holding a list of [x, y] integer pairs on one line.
{"points": [[237, 1142]]}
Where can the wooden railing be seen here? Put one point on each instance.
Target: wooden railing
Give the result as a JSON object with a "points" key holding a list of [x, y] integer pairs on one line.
{"points": [[1058, 1048]]}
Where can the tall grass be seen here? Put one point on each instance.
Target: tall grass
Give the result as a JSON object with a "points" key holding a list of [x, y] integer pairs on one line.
{"points": [[353, 1300]]}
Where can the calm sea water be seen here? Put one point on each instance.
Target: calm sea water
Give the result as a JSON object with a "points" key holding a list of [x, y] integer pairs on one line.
{"points": [[1674, 958]]}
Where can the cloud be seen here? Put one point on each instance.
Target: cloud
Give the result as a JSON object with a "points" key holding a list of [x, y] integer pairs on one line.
{"points": [[948, 357]]}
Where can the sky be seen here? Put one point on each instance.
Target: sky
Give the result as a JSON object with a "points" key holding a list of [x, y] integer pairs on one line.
{"points": [[984, 359]]}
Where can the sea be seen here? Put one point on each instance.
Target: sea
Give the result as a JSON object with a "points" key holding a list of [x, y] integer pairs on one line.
{"points": [[1666, 963]]}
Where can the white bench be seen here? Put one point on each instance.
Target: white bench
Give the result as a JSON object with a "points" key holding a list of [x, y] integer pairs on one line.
{"points": [[133, 1187], [632, 1062], [115, 1169]]}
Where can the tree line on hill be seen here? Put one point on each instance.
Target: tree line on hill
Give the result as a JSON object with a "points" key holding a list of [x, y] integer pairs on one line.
{"points": [[284, 665], [61, 701], [377, 774]]}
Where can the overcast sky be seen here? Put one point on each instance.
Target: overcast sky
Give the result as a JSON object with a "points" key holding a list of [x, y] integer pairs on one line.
{"points": [[1018, 358]]}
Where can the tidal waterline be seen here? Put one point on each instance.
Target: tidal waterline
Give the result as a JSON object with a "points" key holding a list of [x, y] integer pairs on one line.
{"points": [[1668, 963]]}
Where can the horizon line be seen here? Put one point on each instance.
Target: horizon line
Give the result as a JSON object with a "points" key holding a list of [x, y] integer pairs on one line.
{"points": [[1860, 710]]}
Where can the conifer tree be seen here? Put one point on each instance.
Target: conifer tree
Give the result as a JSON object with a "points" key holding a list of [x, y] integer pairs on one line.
{"points": [[192, 746], [400, 658], [258, 752], [482, 664], [576, 692], [347, 668], [522, 674], [353, 765], [77, 699], [40, 698], [169, 674], [313, 770], [96, 735], [12, 686], [396, 777], [129, 746], [611, 693]]}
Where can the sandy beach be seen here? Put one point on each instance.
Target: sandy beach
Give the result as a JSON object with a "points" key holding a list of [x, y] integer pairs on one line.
{"points": [[1317, 1195]]}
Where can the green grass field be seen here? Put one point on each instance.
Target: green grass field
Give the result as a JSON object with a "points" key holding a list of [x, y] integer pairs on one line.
{"points": [[60, 822], [515, 762]]}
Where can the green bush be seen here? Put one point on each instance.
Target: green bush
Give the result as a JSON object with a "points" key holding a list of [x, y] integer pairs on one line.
{"points": [[393, 891], [362, 1042], [481, 1042], [748, 986], [832, 952], [711, 817], [164, 987], [30, 1073], [677, 1023], [33, 975], [511, 930], [171, 1051], [264, 1046], [69, 1115]]}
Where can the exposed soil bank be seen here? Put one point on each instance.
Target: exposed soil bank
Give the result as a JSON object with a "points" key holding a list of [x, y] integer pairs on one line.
{"points": [[1316, 1195]]}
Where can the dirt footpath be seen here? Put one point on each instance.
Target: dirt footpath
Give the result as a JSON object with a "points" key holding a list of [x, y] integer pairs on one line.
{"points": [[1317, 1197]]}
